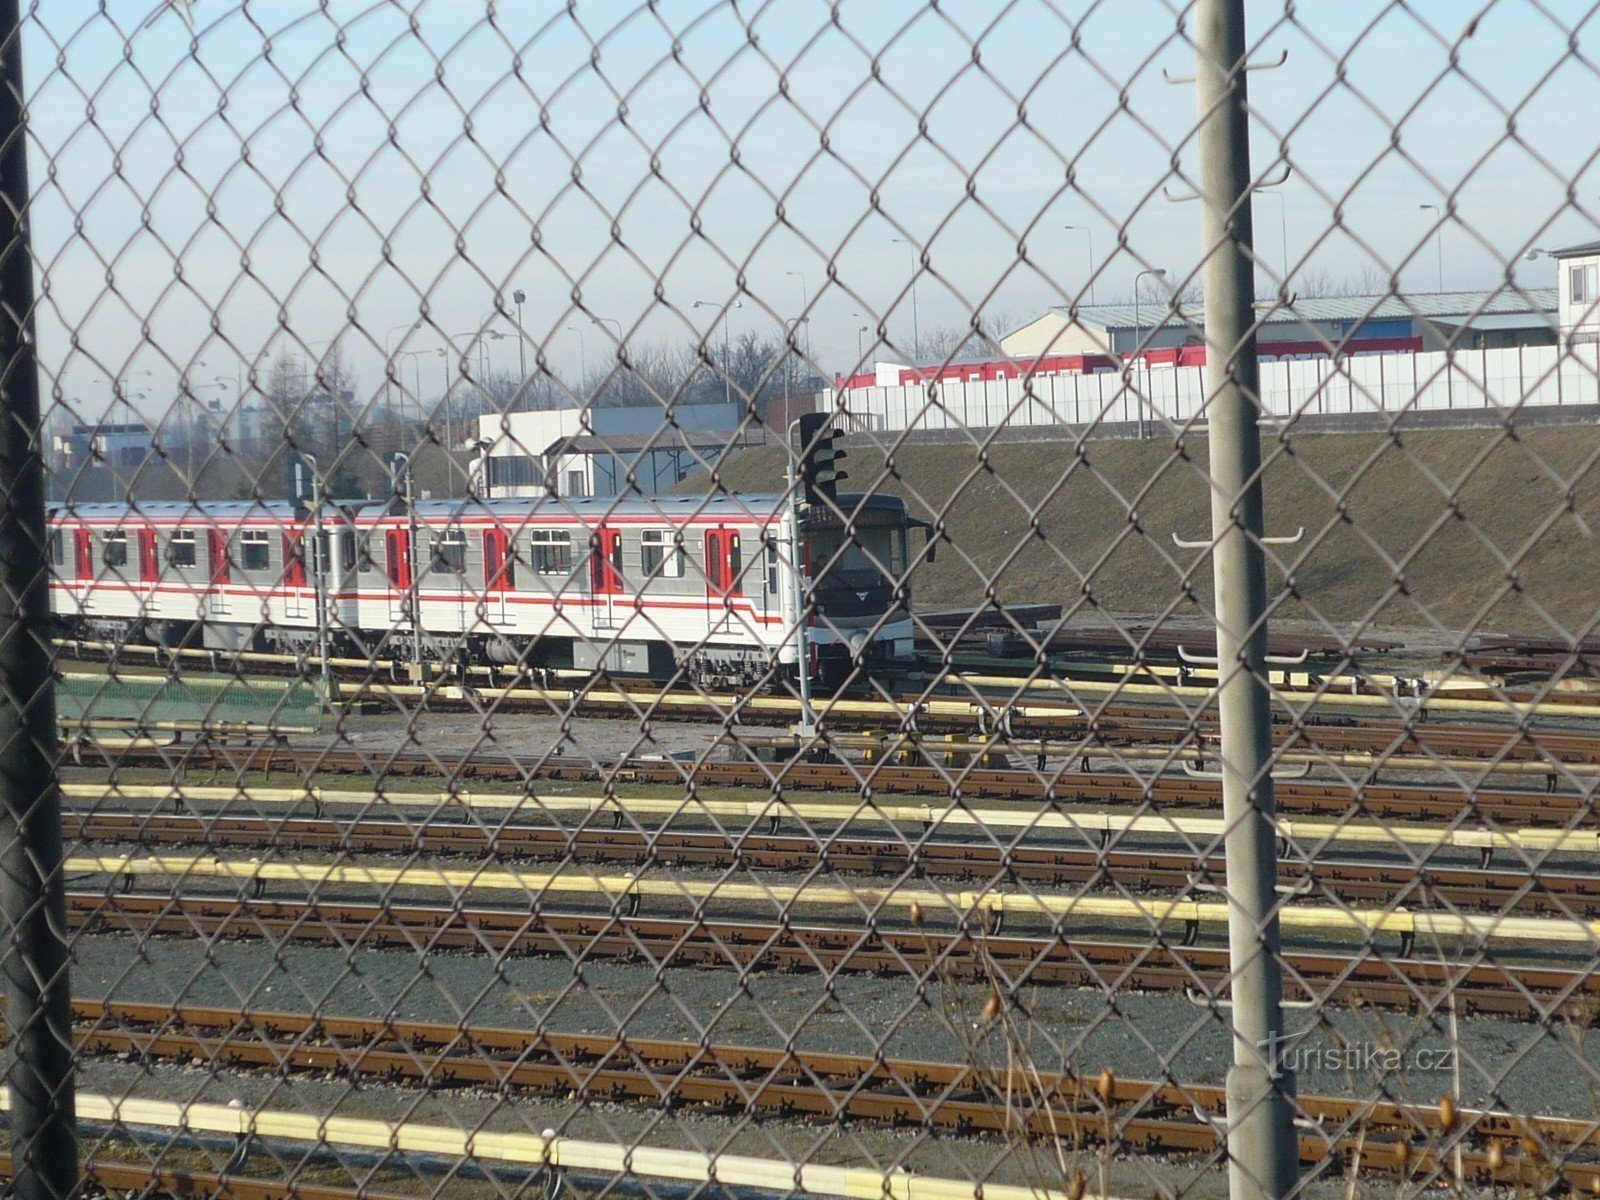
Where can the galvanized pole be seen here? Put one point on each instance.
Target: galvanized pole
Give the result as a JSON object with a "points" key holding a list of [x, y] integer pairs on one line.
{"points": [[1263, 1158], [38, 1001], [802, 646]]}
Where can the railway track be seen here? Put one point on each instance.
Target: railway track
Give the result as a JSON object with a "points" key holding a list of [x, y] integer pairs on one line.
{"points": [[961, 1098], [1369, 976], [147, 1180], [1418, 802], [1053, 865], [1059, 718]]}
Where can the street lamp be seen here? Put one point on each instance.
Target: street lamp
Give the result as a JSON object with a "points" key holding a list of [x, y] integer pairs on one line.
{"points": [[1089, 234], [388, 359], [583, 355], [727, 353], [861, 350], [916, 269], [1155, 273], [517, 297], [1438, 239], [417, 376], [805, 307]]}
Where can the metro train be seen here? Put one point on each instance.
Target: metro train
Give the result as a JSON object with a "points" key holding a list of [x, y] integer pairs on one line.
{"points": [[704, 585]]}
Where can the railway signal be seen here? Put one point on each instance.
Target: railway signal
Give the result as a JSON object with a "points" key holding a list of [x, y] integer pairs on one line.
{"points": [[820, 456]]}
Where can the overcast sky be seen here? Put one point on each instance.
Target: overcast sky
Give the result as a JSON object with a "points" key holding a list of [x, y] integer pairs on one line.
{"points": [[283, 171]]}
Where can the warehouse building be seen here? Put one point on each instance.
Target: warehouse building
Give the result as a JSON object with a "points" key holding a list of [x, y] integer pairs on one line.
{"points": [[1426, 321]]}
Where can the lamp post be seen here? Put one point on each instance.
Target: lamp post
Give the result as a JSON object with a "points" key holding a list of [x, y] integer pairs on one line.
{"points": [[475, 338], [916, 269], [1438, 239], [805, 308], [416, 368], [727, 354], [1089, 235], [389, 357], [318, 561], [401, 463], [583, 356], [1155, 273], [517, 297]]}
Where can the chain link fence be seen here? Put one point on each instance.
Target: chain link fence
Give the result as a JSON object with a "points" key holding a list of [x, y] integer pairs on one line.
{"points": [[891, 600]]}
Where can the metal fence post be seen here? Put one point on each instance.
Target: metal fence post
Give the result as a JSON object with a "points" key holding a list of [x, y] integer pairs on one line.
{"points": [[1262, 1153], [38, 1002]]}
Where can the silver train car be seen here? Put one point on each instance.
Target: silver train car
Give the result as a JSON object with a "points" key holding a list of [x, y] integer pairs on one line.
{"points": [[702, 585]]}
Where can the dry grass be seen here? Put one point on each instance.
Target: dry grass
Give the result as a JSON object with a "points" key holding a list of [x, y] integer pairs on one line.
{"points": [[1421, 529]]}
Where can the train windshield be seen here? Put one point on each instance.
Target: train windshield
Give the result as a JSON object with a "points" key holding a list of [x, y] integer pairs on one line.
{"points": [[874, 556]]}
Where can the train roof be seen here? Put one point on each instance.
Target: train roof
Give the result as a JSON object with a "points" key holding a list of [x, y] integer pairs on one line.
{"points": [[175, 508], [758, 505]]}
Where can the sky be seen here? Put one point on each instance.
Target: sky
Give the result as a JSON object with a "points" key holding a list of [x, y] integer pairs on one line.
{"points": [[290, 173]]}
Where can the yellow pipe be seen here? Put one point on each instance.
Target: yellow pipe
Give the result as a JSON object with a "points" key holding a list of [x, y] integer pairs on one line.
{"points": [[1201, 696], [456, 1142], [1335, 918], [1081, 821]]}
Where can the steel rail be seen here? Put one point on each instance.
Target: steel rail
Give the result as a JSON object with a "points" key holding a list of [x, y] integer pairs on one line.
{"points": [[963, 1098], [1051, 865], [1444, 802], [1187, 717], [136, 1179], [1481, 984]]}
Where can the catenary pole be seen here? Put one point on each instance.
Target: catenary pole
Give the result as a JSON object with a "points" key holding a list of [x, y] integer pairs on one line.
{"points": [[38, 1001], [1263, 1158]]}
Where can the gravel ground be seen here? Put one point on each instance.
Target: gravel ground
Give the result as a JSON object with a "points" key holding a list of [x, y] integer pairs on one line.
{"points": [[1503, 1064], [452, 736], [1521, 1066], [1137, 1035]]}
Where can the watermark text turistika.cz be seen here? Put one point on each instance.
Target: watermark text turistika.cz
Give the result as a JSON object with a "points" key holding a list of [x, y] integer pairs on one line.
{"points": [[1293, 1053]]}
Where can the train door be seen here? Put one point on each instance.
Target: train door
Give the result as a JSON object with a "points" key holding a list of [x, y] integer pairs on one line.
{"points": [[724, 568], [296, 604], [499, 575], [217, 554], [397, 560], [149, 565], [605, 575], [83, 556]]}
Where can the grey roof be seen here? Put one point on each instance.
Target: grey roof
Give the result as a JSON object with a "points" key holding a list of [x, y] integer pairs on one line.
{"points": [[666, 439], [1574, 251], [1532, 301], [763, 504], [159, 508]]}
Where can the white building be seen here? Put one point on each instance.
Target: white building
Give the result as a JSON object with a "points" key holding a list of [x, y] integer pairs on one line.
{"points": [[1420, 321], [524, 453], [1578, 283], [573, 452]]}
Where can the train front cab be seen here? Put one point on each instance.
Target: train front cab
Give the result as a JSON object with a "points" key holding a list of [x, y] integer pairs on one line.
{"points": [[858, 555]]}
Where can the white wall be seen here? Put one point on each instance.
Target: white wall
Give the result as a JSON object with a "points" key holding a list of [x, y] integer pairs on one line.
{"points": [[1508, 378], [1579, 318]]}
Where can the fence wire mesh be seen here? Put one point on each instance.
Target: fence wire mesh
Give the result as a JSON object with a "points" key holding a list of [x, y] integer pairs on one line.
{"points": [[982, 599]]}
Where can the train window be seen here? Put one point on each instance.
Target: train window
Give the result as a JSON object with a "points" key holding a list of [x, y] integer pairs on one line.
{"points": [[450, 552], [663, 553], [58, 553], [255, 553], [180, 550], [552, 551], [115, 553], [772, 562]]}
